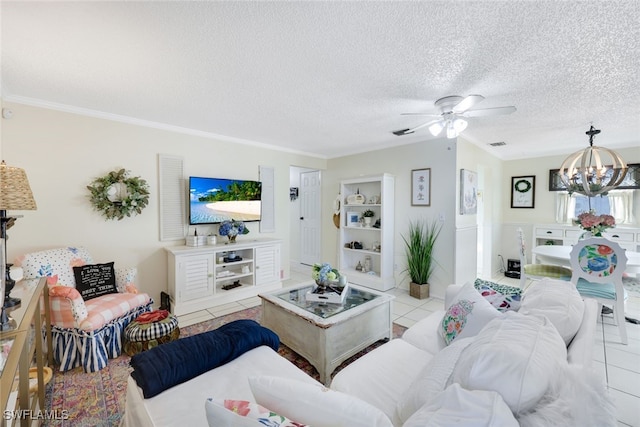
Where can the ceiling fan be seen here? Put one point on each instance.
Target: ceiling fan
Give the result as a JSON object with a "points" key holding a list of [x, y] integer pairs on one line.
{"points": [[453, 111]]}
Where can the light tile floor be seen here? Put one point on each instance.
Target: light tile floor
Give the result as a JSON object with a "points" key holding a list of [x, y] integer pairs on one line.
{"points": [[623, 361]]}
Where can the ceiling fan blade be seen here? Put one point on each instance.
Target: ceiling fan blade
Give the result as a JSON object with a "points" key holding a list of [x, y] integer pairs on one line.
{"points": [[489, 111], [412, 130], [401, 132], [420, 114], [422, 125], [467, 103]]}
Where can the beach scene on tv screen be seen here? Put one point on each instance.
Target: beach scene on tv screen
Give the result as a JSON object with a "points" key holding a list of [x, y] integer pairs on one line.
{"points": [[215, 200]]}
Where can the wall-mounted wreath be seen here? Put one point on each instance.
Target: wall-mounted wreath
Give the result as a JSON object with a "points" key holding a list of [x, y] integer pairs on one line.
{"points": [[117, 195]]}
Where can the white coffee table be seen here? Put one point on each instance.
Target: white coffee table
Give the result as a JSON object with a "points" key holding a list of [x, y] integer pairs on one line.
{"points": [[327, 334]]}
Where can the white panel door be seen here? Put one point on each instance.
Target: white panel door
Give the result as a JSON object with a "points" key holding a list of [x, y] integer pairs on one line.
{"points": [[310, 210]]}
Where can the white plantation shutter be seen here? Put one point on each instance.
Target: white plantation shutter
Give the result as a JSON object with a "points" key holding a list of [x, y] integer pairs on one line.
{"points": [[268, 219], [172, 198]]}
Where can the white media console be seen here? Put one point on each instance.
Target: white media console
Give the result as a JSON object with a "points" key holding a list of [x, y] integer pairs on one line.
{"points": [[201, 277]]}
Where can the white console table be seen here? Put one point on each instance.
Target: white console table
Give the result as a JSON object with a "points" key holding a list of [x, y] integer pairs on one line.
{"points": [[566, 235]]}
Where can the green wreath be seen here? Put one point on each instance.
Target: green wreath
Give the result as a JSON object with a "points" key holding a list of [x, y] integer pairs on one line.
{"points": [[527, 186], [117, 195]]}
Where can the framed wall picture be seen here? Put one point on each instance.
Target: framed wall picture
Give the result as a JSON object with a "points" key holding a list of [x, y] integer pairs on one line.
{"points": [[421, 187], [353, 219], [523, 191], [468, 192]]}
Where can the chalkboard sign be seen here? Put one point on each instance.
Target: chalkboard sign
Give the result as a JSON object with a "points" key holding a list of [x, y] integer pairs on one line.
{"points": [[95, 280]]}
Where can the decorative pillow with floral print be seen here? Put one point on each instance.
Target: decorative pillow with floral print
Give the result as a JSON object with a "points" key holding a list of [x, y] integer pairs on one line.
{"points": [[502, 297], [467, 315], [240, 413]]}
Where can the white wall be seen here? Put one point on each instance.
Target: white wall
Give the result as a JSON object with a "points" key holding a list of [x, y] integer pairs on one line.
{"points": [[489, 217], [63, 152]]}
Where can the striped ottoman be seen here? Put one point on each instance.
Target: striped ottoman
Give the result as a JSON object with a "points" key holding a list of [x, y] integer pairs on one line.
{"points": [[150, 330]]}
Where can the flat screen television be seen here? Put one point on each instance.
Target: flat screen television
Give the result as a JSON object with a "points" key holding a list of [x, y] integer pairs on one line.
{"points": [[213, 200]]}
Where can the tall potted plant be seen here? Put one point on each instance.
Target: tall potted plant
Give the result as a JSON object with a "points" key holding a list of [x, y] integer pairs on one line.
{"points": [[419, 246]]}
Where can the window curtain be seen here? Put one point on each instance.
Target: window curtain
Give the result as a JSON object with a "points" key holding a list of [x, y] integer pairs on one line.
{"points": [[565, 207], [621, 203]]}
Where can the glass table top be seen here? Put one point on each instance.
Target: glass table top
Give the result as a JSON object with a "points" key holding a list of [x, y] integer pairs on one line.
{"points": [[297, 296]]}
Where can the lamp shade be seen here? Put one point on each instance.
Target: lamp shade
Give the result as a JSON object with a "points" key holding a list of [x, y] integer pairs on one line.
{"points": [[436, 128], [15, 192]]}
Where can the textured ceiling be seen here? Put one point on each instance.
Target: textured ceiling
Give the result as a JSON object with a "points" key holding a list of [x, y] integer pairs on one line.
{"points": [[332, 78]]}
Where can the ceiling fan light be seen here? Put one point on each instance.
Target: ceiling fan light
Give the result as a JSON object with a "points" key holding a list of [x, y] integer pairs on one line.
{"points": [[451, 130], [460, 125], [436, 128]]}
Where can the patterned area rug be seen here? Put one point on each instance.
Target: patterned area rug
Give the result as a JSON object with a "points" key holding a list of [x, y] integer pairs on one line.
{"points": [[97, 399]]}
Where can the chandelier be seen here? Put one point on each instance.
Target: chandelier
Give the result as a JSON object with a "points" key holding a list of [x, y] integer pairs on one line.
{"points": [[594, 170]]}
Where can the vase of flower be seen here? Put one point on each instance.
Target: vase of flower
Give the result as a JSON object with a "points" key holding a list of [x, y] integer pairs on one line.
{"points": [[324, 274], [586, 235], [321, 285], [232, 229], [594, 225]]}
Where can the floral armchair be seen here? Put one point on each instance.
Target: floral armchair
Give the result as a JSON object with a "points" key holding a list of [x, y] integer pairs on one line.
{"points": [[85, 331]]}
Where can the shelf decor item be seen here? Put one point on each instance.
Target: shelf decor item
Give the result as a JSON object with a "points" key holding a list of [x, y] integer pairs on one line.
{"points": [[232, 229], [353, 219], [117, 195], [368, 216], [419, 246]]}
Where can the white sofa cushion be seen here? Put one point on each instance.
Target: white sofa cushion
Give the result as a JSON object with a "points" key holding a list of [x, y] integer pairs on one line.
{"points": [[514, 355], [577, 397], [560, 301], [431, 380], [425, 334], [383, 376], [456, 406], [468, 313], [315, 405]]}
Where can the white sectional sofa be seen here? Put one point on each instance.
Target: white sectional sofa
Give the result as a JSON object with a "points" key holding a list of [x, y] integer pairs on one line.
{"points": [[502, 369]]}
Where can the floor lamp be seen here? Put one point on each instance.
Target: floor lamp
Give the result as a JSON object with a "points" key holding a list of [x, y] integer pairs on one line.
{"points": [[15, 194]]}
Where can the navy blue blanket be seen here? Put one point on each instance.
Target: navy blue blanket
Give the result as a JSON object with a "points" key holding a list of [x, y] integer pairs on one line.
{"points": [[173, 363]]}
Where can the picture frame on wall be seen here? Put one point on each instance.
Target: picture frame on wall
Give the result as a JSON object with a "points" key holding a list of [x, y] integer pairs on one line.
{"points": [[421, 187], [468, 192], [523, 191]]}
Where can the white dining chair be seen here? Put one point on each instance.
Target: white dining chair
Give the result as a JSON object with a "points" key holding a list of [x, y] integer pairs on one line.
{"points": [[598, 265], [537, 271]]}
